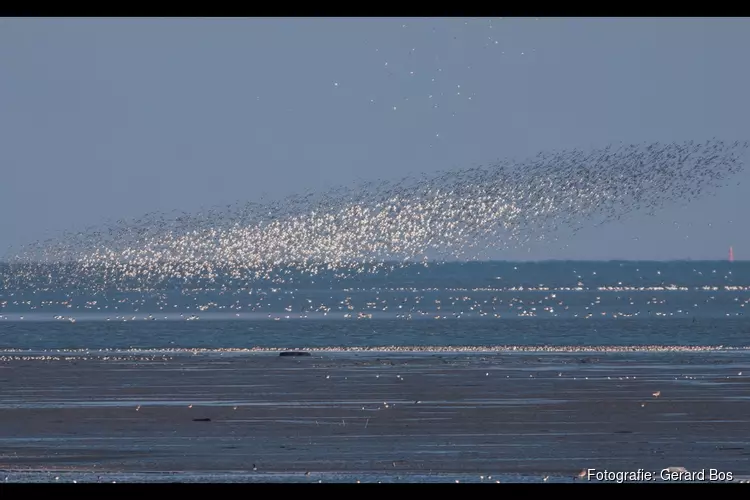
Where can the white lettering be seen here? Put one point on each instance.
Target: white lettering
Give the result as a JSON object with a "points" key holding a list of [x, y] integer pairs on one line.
{"points": [[619, 476], [716, 475], [671, 474]]}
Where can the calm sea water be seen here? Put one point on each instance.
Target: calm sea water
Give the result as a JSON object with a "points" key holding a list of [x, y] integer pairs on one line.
{"points": [[452, 304]]}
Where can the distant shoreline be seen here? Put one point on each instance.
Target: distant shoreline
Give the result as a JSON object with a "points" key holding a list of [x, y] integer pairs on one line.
{"points": [[8, 354], [469, 262]]}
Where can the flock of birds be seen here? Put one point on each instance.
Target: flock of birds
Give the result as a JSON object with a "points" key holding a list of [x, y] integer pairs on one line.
{"points": [[459, 214]]}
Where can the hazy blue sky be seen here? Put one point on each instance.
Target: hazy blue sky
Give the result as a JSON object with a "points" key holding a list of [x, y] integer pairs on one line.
{"points": [[110, 118]]}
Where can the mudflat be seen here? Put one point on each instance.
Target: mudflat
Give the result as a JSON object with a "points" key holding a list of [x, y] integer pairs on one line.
{"points": [[375, 414]]}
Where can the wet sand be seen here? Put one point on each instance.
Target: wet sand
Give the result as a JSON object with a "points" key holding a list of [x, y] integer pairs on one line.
{"points": [[360, 415]]}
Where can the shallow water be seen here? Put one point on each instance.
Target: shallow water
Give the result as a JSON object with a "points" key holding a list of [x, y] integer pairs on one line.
{"points": [[459, 373], [453, 304], [343, 417], [255, 477]]}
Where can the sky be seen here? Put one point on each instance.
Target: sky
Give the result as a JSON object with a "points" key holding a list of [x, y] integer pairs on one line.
{"points": [[102, 119]]}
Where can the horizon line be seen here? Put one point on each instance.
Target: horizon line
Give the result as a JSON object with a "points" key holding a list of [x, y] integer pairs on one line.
{"points": [[431, 261]]}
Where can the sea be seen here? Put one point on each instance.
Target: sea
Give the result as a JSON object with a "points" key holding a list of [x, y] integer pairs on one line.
{"points": [[543, 304], [549, 306]]}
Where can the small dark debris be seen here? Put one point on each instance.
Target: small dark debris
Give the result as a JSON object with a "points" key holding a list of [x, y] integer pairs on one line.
{"points": [[588, 360], [294, 353], [201, 420]]}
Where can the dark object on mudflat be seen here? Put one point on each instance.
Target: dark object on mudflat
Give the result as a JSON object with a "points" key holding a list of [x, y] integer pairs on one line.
{"points": [[201, 420], [294, 353], [588, 360]]}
